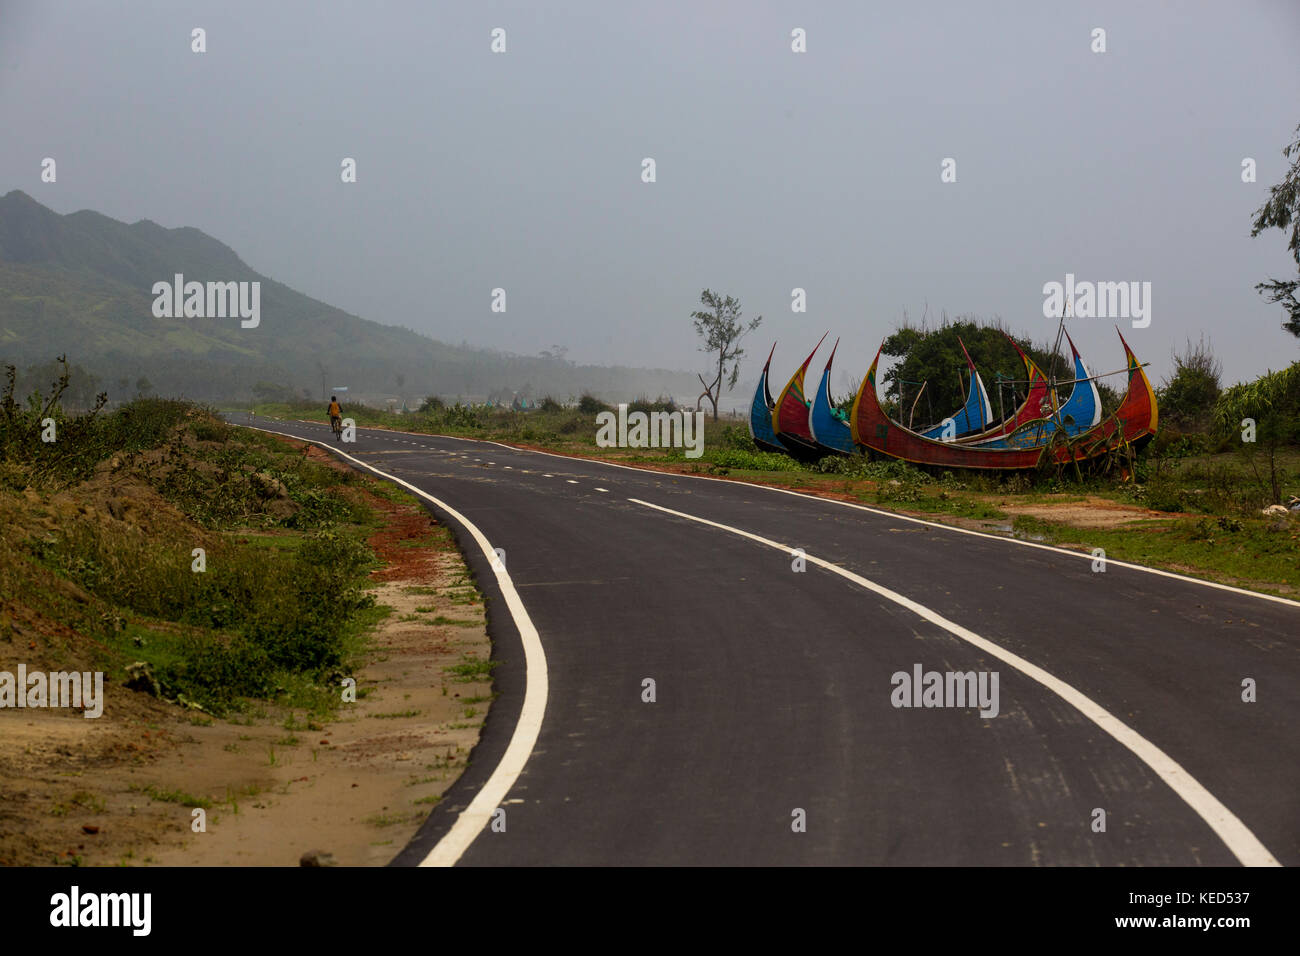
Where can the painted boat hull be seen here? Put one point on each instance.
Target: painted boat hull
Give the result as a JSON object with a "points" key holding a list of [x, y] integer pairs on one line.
{"points": [[828, 431], [1134, 421], [975, 417], [1080, 412], [790, 419], [760, 414]]}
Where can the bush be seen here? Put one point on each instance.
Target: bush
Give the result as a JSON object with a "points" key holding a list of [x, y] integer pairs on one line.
{"points": [[1186, 398], [268, 604], [591, 405], [643, 404], [736, 437], [461, 416]]}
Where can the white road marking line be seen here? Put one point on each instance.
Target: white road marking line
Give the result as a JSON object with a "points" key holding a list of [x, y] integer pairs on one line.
{"points": [[508, 468], [475, 817], [548, 476], [570, 481], [1243, 844], [606, 490], [1086, 556]]}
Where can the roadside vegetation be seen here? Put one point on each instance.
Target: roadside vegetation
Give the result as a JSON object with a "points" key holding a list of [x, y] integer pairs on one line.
{"points": [[189, 560]]}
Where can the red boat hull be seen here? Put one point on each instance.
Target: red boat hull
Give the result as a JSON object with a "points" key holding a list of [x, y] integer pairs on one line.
{"points": [[1135, 419]]}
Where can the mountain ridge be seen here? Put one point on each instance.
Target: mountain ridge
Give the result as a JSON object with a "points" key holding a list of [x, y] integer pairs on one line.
{"points": [[81, 284]]}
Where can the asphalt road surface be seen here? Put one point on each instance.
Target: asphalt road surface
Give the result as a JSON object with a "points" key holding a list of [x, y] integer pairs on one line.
{"points": [[773, 737]]}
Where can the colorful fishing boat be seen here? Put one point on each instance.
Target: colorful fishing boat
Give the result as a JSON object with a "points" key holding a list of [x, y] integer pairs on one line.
{"points": [[1132, 423], [973, 417], [1040, 402], [1079, 413], [828, 425], [760, 413], [790, 418]]}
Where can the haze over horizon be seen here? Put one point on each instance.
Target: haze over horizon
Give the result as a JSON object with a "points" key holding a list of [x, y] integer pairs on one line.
{"points": [[775, 170]]}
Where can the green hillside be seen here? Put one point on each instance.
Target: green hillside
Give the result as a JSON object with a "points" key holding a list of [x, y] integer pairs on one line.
{"points": [[81, 284]]}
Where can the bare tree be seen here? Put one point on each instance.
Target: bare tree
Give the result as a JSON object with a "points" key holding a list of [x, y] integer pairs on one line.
{"points": [[722, 329]]}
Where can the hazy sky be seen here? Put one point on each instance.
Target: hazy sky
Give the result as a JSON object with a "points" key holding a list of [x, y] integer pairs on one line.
{"points": [[775, 169]]}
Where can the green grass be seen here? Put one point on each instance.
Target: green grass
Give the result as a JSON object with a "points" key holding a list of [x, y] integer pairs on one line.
{"points": [[472, 669], [390, 819], [282, 609], [1245, 552]]}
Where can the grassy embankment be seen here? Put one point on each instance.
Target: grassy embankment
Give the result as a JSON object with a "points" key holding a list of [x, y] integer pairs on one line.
{"points": [[1198, 514], [99, 570]]}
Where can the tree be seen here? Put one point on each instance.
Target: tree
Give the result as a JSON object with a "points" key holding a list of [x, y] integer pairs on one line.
{"points": [[77, 386], [143, 386], [1282, 210], [1186, 398], [722, 330], [1265, 414], [932, 360]]}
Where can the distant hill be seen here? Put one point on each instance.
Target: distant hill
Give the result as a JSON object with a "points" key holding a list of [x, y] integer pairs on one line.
{"points": [[82, 284]]}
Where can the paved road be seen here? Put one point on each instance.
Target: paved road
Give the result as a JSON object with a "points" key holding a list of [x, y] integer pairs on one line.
{"points": [[1118, 690]]}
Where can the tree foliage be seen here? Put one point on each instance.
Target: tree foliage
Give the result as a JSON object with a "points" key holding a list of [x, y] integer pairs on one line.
{"points": [[722, 329], [933, 356], [1283, 210], [1273, 398], [1186, 397], [1270, 405]]}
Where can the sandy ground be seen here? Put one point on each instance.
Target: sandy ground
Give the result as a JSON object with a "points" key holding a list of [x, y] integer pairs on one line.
{"points": [[357, 788], [1093, 512], [119, 790]]}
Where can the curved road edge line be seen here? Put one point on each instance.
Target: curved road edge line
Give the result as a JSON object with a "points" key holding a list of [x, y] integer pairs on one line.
{"points": [[875, 511], [883, 513], [476, 816], [1241, 842]]}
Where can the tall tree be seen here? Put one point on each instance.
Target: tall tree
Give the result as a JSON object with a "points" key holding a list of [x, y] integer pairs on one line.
{"points": [[722, 329], [932, 379], [1282, 210]]}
